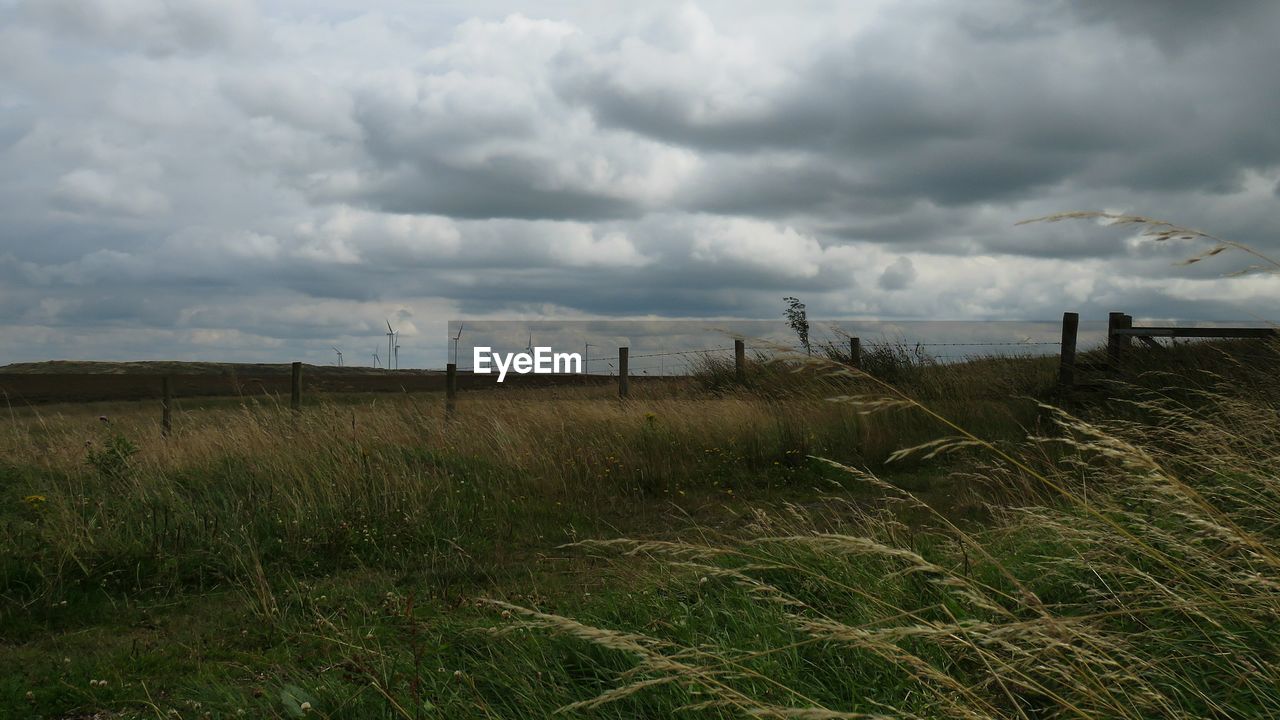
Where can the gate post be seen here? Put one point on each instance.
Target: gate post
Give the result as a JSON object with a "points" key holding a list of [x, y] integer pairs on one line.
{"points": [[1067, 357]]}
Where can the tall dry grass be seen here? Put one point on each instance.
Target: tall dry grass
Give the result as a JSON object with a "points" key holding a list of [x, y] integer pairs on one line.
{"points": [[1149, 586], [391, 482]]}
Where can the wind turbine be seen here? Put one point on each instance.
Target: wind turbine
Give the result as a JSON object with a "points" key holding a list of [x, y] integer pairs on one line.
{"points": [[396, 354], [455, 344], [529, 347], [335, 349], [391, 342], [376, 362]]}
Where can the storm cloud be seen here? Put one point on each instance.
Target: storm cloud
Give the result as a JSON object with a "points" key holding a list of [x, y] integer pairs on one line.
{"points": [[259, 181]]}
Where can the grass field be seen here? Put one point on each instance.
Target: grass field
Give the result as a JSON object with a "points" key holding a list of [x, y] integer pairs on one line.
{"points": [[702, 549]]}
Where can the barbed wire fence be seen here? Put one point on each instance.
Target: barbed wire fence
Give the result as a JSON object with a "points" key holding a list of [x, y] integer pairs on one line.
{"points": [[591, 366]]}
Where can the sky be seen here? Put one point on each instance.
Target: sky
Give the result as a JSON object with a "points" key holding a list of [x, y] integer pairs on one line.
{"points": [[260, 181]]}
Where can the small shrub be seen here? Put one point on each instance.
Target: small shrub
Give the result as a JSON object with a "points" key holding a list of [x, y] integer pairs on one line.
{"points": [[113, 460]]}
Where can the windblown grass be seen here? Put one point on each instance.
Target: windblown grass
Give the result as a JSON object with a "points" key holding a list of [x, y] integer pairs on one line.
{"points": [[394, 484], [371, 559], [1146, 585]]}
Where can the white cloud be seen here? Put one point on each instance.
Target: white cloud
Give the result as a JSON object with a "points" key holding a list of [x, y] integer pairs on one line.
{"points": [[89, 191], [579, 246], [677, 63], [756, 244], [349, 235], [297, 97]]}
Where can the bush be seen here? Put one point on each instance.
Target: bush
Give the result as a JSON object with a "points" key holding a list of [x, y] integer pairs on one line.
{"points": [[114, 459]]}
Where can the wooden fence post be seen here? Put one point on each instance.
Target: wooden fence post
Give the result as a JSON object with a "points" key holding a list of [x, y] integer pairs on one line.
{"points": [[855, 352], [1126, 341], [623, 381], [166, 406], [450, 387], [740, 360], [295, 387], [1067, 358], [1117, 343], [1113, 341]]}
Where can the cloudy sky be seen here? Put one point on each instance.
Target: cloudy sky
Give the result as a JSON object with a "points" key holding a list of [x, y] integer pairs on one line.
{"points": [[223, 179]]}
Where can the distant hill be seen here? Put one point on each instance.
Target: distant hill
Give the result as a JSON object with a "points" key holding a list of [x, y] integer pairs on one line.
{"points": [[176, 367]]}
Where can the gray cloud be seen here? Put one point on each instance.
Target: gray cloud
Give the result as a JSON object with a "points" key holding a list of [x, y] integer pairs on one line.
{"points": [[970, 116], [153, 27], [259, 181], [1177, 24], [899, 275]]}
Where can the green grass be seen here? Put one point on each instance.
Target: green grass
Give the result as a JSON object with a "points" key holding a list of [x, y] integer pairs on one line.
{"points": [[374, 559]]}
